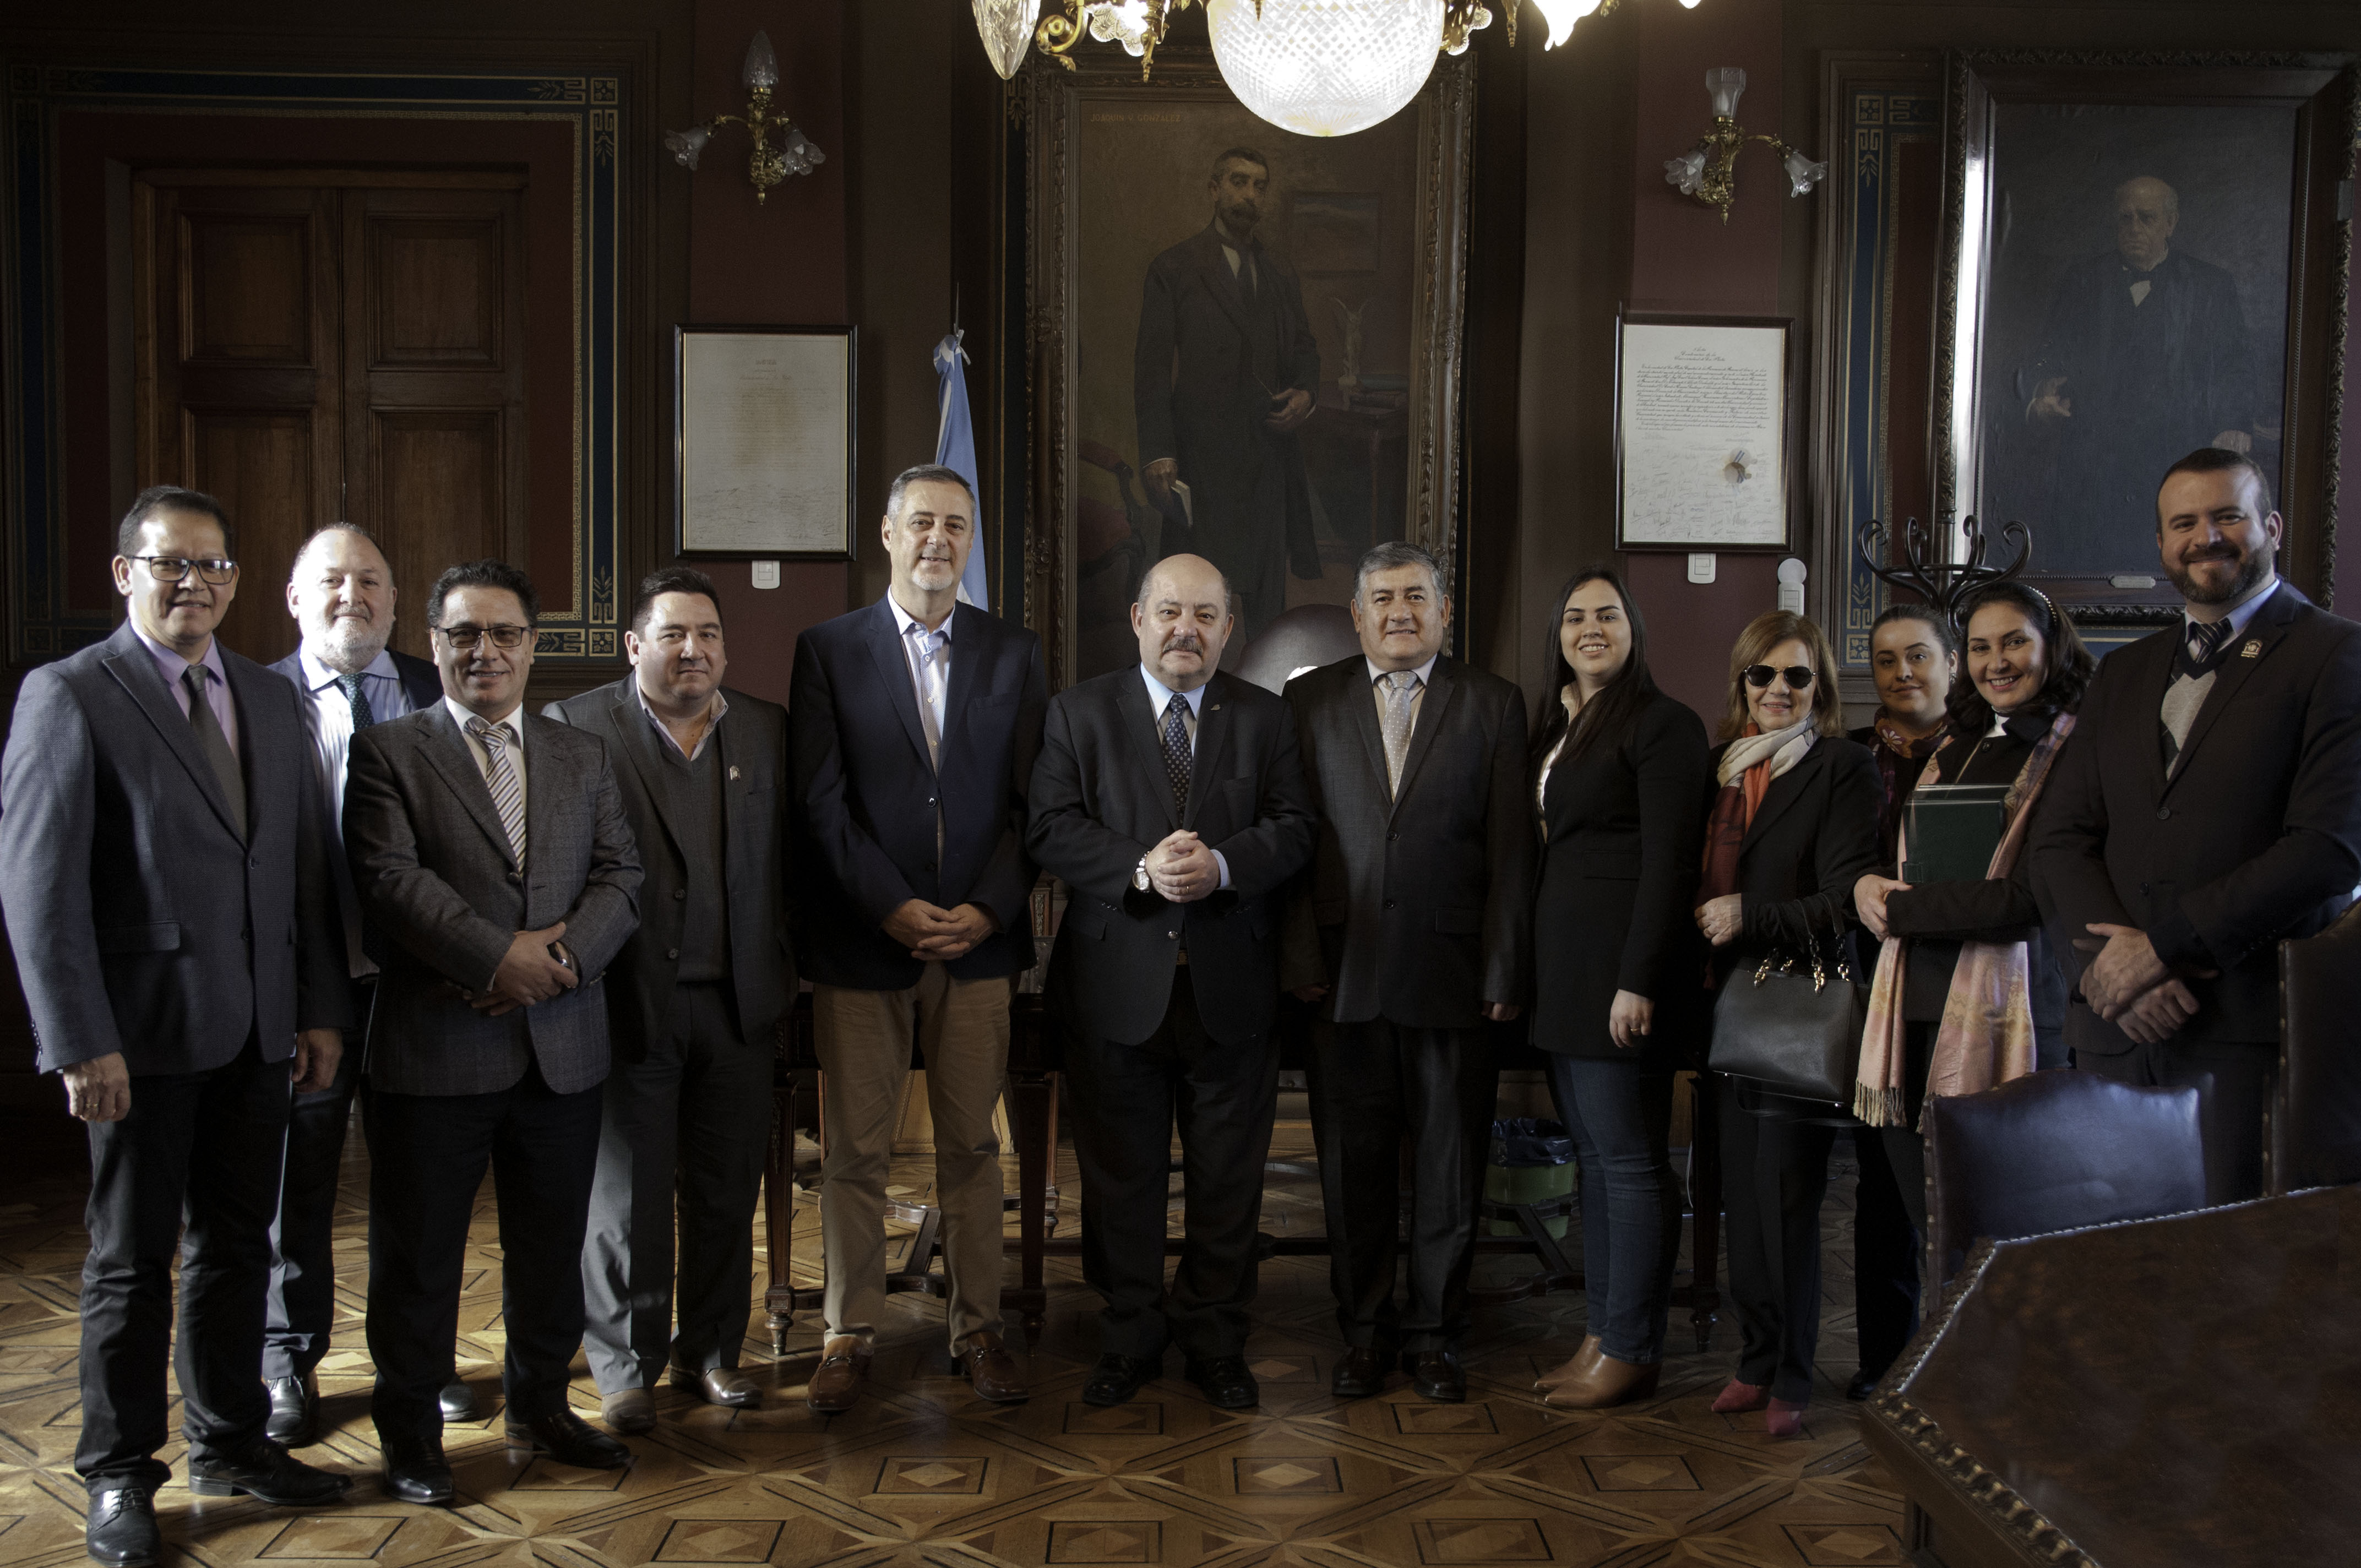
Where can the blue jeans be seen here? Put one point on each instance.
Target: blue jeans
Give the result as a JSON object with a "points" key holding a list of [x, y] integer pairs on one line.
{"points": [[1620, 1113]]}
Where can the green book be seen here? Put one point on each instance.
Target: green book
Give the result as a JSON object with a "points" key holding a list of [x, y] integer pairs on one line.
{"points": [[1950, 832]]}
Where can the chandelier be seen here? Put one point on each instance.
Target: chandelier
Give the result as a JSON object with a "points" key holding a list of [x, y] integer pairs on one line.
{"points": [[1322, 68]]}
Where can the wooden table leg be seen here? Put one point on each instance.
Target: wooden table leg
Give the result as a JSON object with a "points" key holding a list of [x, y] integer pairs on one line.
{"points": [[779, 1211], [1036, 1106]]}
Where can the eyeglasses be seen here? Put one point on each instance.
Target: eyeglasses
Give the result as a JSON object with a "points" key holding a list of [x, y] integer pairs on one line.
{"points": [[1798, 676], [465, 638], [173, 568]]}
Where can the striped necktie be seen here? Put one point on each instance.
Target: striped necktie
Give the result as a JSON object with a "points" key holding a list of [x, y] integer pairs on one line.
{"points": [[499, 777]]}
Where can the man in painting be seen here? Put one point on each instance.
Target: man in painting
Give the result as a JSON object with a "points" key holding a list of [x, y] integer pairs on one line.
{"points": [[1223, 377], [2145, 355]]}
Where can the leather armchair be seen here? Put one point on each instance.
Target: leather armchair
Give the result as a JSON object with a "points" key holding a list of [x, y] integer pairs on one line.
{"points": [[2315, 1138]]}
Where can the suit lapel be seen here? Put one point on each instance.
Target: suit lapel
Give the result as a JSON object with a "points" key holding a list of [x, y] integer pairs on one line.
{"points": [[1213, 270], [967, 655], [885, 642], [639, 743], [1140, 721], [450, 755], [1442, 685], [1212, 744], [539, 804], [2267, 628], [1361, 699], [134, 667], [1785, 791]]}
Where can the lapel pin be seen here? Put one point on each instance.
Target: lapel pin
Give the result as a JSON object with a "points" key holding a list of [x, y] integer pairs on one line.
{"points": [[734, 776], [2253, 650]]}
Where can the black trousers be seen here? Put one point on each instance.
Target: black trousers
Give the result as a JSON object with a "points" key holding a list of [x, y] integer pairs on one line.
{"points": [[301, 1308], [1373, 1084], [1774, 1173], [1126, 1099], [195, 1168], [427, 1156], [2235, 1081], [686, 1125]]}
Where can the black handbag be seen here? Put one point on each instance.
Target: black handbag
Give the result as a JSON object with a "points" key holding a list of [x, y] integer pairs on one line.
{"points": [[1794, 1025]]}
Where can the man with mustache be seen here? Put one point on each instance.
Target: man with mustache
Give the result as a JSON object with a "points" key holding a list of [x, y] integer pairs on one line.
{"points": [[2208, 805], [1225, 373], [341, 592], [693, 1004], [1170, 799], [913, 726]]}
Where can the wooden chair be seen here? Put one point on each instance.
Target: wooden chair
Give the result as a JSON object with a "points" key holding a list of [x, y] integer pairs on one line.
{"points": [[2315, 1133]]}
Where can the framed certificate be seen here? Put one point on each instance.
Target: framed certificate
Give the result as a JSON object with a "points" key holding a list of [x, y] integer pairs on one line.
{"points": [[763, 441], [1701, 433]]}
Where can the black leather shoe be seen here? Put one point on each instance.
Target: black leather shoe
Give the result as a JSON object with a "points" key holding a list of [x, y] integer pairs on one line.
{"points": [[1228, 1383], [1864, 1383], [267, 1472], [568, 1439], [458, 1402], [416, 1472], [294, 1410], [1361, 1373], [121, 1530], [1436, 1375], [1117, 1378]]}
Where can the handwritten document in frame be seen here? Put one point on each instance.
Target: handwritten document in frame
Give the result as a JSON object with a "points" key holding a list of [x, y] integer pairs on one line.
{"points": [[1702, 436], [764, 441]]}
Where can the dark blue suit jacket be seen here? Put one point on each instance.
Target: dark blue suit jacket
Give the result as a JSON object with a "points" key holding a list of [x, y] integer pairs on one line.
{"points": [[865, 793]]}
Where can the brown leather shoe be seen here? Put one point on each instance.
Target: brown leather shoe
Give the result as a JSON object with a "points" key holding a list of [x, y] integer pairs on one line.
{"points": [[718, 1386], [1599, 1381], [836, 1381], [992, 1370], [1569, 1366]]}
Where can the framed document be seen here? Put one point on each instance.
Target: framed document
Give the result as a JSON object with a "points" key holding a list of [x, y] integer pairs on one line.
{"points": [[763, 441], [1701, 433]]}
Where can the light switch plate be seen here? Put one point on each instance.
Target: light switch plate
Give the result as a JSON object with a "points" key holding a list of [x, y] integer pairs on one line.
{"points": [[1701, 567], [766, 574]]}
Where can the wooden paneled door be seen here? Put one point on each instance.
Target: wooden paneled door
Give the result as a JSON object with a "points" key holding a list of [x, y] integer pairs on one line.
{"points": [[319, 345]]}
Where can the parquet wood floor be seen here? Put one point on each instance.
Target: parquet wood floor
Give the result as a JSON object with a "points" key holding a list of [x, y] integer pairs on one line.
{"points": [[923, 1473]]}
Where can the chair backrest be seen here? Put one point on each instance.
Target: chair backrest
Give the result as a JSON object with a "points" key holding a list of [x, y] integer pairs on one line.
{"points": [[2316, 1108], [2054, 1151], [1306, 637]]}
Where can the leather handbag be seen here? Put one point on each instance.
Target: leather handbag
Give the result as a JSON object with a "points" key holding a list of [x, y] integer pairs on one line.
{"points": [[1794, 1024]]}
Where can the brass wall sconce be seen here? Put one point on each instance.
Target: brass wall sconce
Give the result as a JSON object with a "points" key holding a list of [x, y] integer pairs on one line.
{"points": [[766, 165], [1710, 171]]}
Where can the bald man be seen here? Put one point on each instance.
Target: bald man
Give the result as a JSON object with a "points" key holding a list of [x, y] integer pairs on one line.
{"points": [[1170, 799], [2145, 355]]}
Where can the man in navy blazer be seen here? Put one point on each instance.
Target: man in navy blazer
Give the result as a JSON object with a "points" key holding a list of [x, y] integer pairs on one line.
{"points": [[163, 871], [913, 725]]}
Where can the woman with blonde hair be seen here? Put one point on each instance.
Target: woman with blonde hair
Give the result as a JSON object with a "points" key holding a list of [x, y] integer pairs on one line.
{"points": [[1791, 825]]}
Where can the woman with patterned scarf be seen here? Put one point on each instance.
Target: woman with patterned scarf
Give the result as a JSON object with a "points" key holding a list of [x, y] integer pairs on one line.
{"points": [[1790, 826]]}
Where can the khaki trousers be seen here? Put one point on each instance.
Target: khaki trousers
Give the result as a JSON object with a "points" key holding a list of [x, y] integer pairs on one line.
{"points": [[864, 1053]]}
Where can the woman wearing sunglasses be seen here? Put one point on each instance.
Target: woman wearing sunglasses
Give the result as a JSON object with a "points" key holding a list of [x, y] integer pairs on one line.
{"points": [[1791, 825], [1616, 765], [1967, 993]]}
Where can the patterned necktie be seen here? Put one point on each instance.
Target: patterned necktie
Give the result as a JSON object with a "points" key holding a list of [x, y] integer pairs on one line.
{"points": [[355, 694], [1401, 686], [1177, 760], [932, 687], [499, 777], [214, 744], [2205, 640]]}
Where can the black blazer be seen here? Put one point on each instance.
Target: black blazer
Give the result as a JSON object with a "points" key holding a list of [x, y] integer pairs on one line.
{"points": [[753, 753], [1100, 801], [2256, 837], [1616, 906], [1812, 838], [1418, 905], [865, 793]]}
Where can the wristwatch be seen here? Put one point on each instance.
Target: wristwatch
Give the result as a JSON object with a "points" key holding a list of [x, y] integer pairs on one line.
{"points": [[1139, 874]]}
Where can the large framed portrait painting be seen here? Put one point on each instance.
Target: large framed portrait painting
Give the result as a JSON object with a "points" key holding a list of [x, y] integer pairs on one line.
{"points": [[1245, 344]]}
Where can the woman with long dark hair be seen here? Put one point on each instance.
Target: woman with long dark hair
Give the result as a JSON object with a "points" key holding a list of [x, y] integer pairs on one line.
{"points": [[1617, 764]]}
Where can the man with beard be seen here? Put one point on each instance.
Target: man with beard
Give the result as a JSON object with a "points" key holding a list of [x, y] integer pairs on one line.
{"points": [[341, 594], [1222, 377], [2208, 805]]}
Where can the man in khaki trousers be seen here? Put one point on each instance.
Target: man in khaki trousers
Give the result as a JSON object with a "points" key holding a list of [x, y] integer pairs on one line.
{"points": [[913, 725]]}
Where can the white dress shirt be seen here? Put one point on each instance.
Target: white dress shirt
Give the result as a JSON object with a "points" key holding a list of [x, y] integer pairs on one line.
{"points": [[2238, 616], [1159, 698], [928, 655], [328, 717], [511, 733], [1424, 673]]}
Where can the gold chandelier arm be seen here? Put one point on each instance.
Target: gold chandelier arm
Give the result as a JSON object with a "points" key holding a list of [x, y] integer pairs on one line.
{"points": [[1057, 35]]}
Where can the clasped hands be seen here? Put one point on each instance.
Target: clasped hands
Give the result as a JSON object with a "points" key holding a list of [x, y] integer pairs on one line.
{"points": [[536, 967], [2131, 988], [934, 934], [1182, 868]]}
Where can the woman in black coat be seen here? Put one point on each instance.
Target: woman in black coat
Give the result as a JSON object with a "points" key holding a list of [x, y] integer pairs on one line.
{"points": [[1616, 962], [1791, 825]]}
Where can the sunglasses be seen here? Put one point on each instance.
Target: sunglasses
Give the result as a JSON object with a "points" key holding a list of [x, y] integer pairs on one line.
{"points": [[1798, 676]]}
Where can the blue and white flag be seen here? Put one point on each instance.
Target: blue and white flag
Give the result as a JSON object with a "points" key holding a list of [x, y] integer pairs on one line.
{"points": [[955, 450]]}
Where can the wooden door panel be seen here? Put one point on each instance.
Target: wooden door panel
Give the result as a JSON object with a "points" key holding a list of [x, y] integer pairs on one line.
{"points": [[441, 484], [435, 288], [259, 464], [247, 283]]}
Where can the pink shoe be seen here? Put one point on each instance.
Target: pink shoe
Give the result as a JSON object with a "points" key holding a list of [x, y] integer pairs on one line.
{"points": [[1784, 1419], [1737, 1398]]}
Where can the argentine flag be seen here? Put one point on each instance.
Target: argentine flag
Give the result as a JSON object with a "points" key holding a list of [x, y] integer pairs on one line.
{"points": [[955, 450]]}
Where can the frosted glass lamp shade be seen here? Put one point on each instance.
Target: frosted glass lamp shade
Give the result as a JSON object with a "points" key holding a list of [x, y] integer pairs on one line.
{"points": [[761, 69], [1725, 82], [1803, 173], [1325, 68], [1561, 16], [1007, 27]]}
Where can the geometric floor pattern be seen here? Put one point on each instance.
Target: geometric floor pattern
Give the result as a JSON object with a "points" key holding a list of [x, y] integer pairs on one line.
{"points": [[921, 1472]]}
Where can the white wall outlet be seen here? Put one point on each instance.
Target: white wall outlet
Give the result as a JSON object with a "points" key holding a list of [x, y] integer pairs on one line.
{"points": [[1701, 567], [1792, 573], [766, 574]]}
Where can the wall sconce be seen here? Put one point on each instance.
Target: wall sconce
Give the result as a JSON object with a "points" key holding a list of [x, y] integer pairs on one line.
{"points": [[765, 167], [1708, 171]]}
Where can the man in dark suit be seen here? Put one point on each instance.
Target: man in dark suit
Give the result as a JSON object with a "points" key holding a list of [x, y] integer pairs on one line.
{"points": [[1225, 373], [1414, 924], [2208, 805], [341, 594], [498, 879], [913, 725], [692, 1005], [163, 871], [1170, 799]]}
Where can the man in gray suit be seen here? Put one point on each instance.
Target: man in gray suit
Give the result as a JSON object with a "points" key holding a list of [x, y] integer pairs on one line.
{"points": [[1413, 927], [694, 1004], [164, 878], [498, 879]]}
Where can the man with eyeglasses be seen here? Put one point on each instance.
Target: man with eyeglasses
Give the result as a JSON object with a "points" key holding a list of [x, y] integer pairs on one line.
{"points": [[163, 871], [497, 879]]}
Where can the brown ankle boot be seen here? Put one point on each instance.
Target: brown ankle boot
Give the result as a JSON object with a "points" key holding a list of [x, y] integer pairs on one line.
{"points": [[1572, 1363], [1600, 1380]]}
